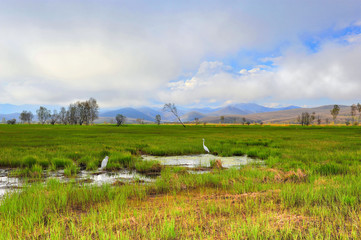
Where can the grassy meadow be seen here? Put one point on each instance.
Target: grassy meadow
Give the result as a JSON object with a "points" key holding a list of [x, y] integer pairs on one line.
{"points": [[309, 186]]}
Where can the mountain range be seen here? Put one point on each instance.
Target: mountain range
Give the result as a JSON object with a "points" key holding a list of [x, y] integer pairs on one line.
{"points": [[190, 114], [147, 114], [232, 113]]}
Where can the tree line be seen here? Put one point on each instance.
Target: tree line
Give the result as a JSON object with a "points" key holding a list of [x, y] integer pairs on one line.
{"points": [[306, 118], [80, 112]]}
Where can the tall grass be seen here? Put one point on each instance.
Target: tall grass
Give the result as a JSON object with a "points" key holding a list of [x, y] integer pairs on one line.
{"points": [[309, 187]]}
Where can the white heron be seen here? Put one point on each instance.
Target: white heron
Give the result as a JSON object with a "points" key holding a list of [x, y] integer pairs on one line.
{"points": [[104, 163], [204, 146]]}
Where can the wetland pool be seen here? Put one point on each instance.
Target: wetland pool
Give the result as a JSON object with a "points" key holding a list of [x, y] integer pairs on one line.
{"points": [[197, 164]]}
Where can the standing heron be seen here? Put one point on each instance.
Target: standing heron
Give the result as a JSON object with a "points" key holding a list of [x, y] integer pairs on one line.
{"points": [[204, 146], [104, 163]]}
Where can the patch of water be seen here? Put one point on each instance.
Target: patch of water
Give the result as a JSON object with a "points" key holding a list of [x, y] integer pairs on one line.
{"points": [[86, 177], [202, 160]]}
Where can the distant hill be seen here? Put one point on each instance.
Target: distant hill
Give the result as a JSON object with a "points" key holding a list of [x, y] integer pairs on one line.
{"points": [[232, 111], [286, 116], [227, 111], [10, 116], [190, 116], [150, 112], [128, 112]]}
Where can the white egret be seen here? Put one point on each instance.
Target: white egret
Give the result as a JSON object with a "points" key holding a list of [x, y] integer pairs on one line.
{"points": [[104, 163], [205, 148]]}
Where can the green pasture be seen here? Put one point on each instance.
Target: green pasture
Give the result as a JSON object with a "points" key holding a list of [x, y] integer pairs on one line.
{"points": [[309, 186], [283, 147]]}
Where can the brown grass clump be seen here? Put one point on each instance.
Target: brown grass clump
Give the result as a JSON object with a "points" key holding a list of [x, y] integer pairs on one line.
{"points": [[218, 164], [290, 176]]}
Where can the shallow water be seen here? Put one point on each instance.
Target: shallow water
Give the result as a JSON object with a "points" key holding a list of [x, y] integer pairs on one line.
{"points": [[103, 177], [202, 160], [6, 183], [86, 177]]}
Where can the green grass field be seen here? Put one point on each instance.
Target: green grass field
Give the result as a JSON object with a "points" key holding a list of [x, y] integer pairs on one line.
{"points": [[309, 186]]}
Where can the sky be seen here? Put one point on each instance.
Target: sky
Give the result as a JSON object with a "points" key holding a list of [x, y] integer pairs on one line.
{"points": [[191, 53]]}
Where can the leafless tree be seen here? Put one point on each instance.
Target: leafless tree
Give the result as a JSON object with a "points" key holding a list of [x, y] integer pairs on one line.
{"points": [[170, 107]]}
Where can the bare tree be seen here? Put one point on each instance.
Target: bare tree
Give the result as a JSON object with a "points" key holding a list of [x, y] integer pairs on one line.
{"points": [[158, 119], [170, 107], [319, 120], [120, 119], [334, 112], [43, 114]]}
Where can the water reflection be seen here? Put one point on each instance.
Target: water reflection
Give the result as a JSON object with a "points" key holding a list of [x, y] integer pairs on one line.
{"points": [[202, 160]]}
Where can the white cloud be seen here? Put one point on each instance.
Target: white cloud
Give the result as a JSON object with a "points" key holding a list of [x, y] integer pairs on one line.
{"points": [[126, 53], [332, 73]]}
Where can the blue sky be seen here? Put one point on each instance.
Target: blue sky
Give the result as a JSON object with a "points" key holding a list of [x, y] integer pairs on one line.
{"points": [[192, 53]]}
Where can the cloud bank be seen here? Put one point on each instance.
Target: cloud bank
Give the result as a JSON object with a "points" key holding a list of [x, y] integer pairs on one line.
{"points": [[137, 53]]}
